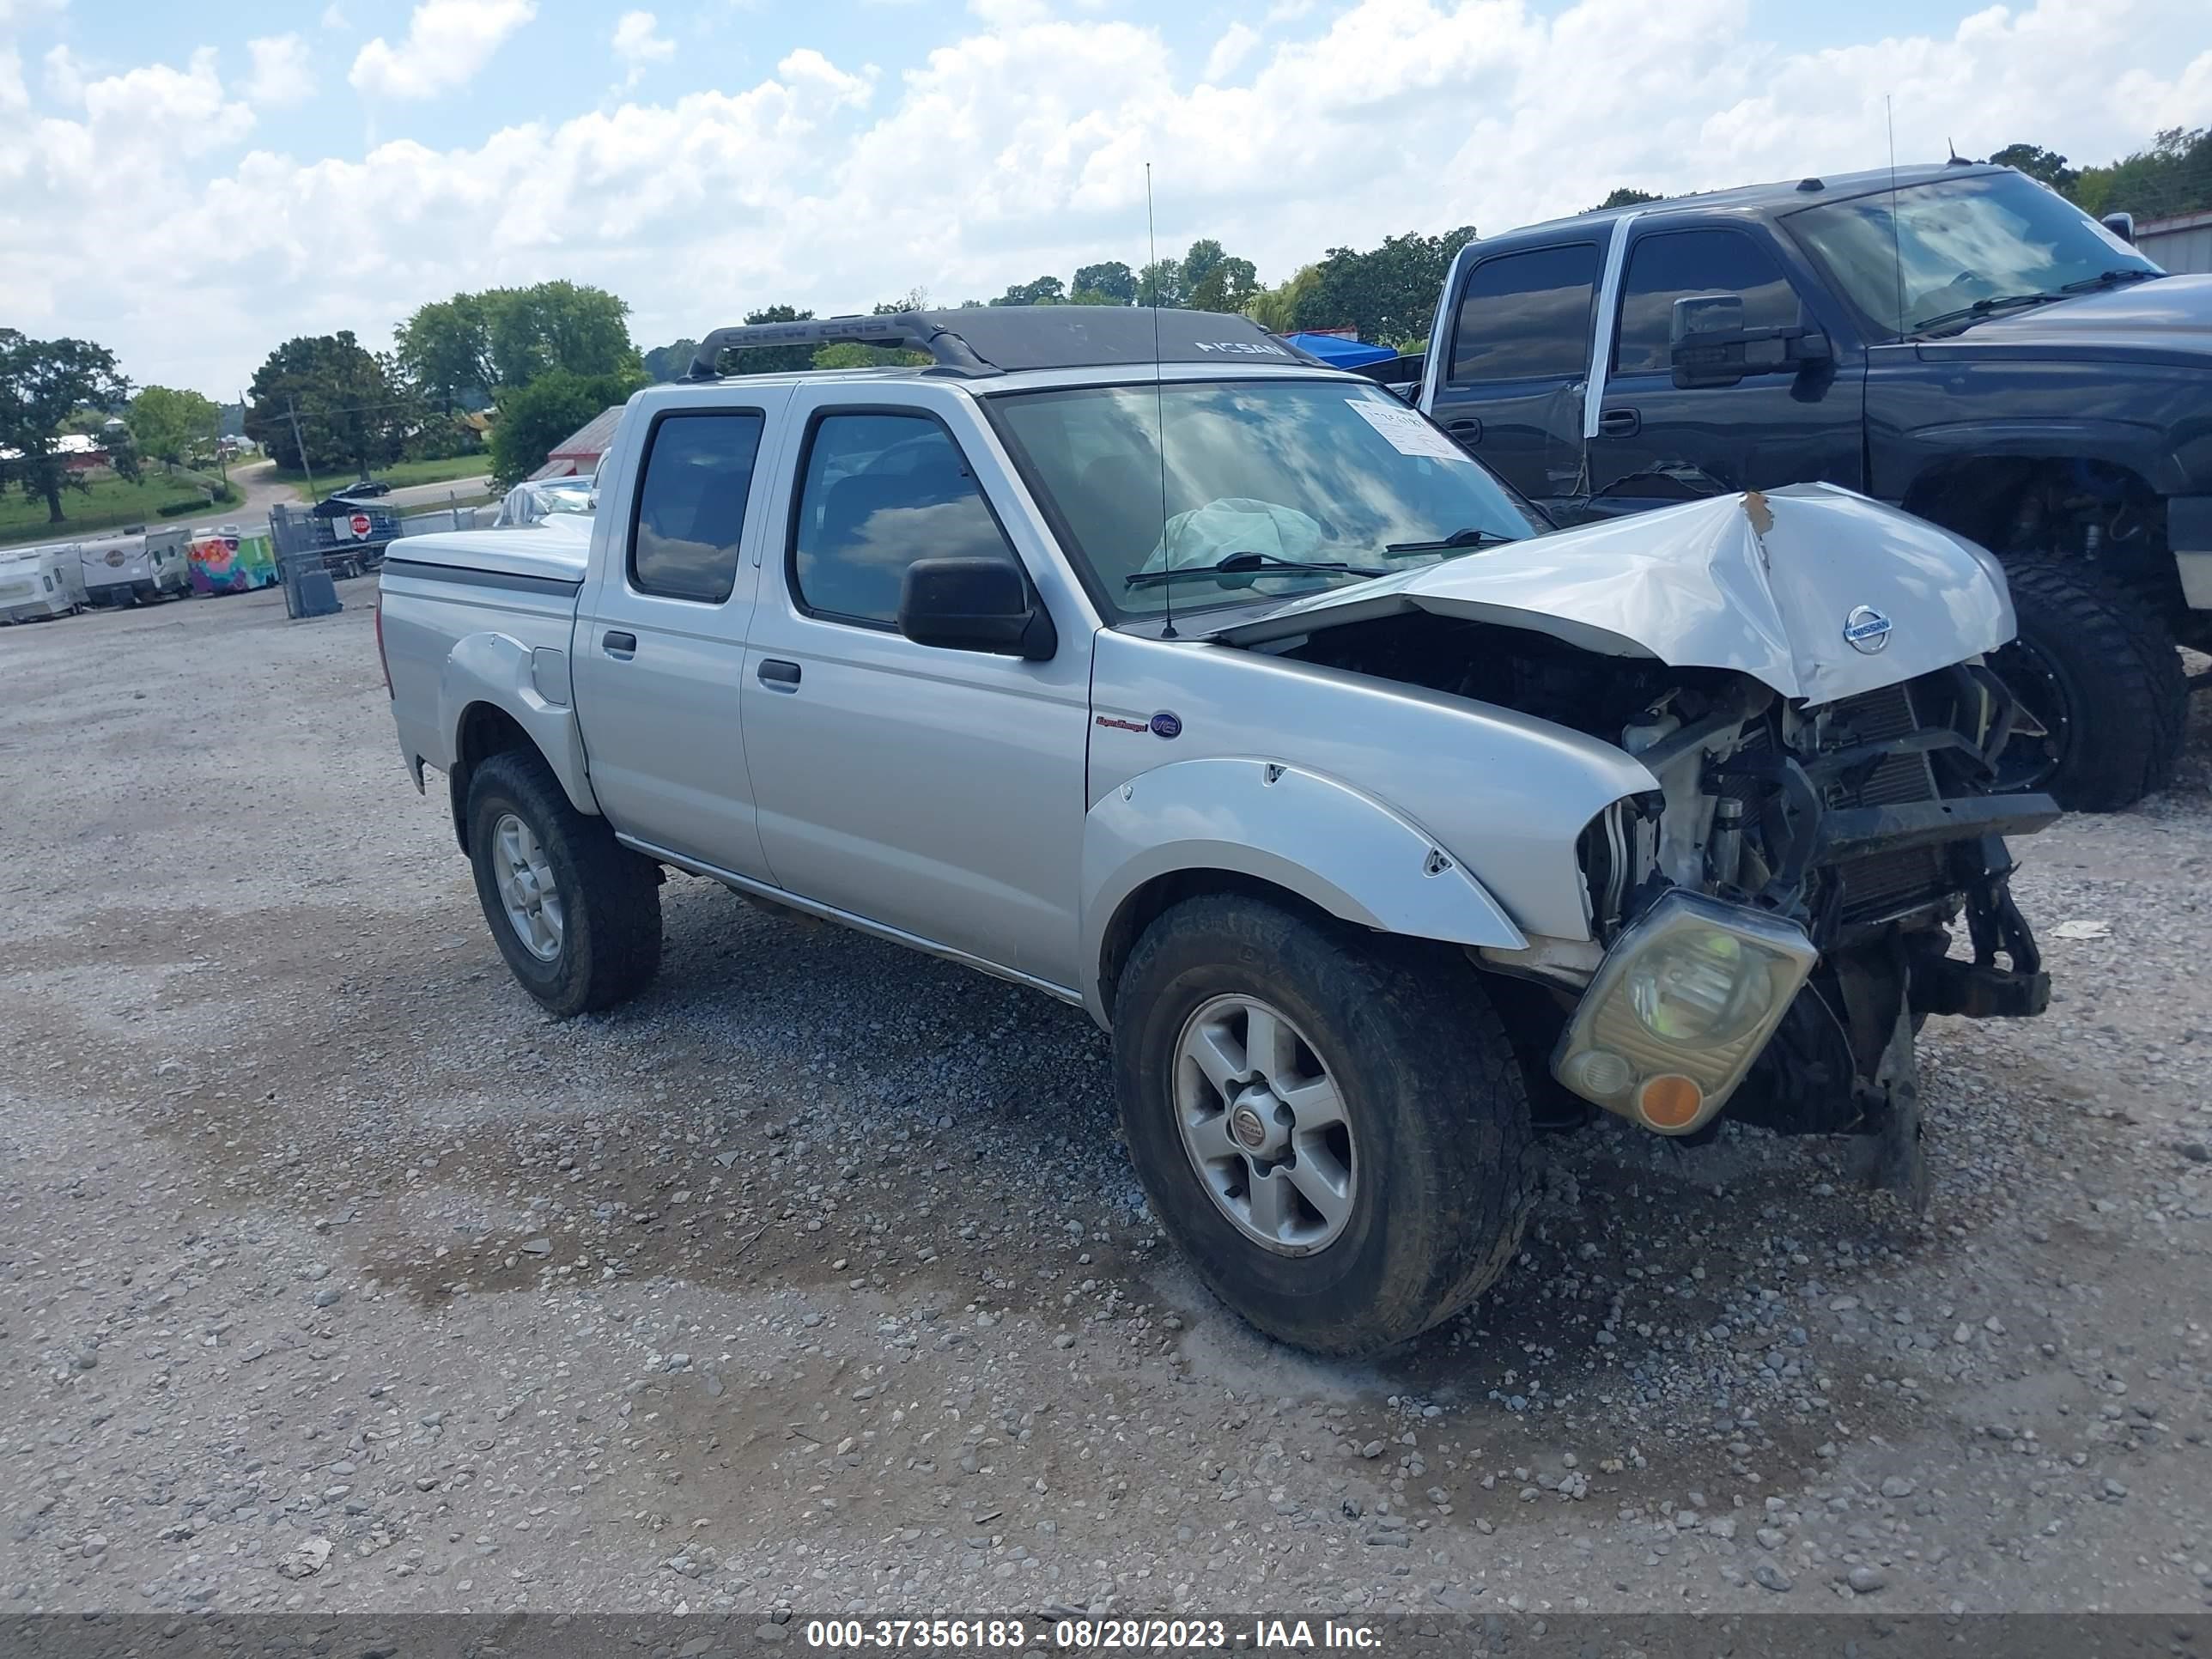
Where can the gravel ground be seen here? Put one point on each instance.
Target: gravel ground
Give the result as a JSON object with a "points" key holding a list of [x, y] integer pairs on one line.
{"points": [[333, 1277]]}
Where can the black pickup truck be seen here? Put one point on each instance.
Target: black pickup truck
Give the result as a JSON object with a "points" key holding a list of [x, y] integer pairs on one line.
{"points": [[1956, 339]]}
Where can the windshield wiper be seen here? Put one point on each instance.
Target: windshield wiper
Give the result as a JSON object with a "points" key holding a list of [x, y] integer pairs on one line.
{"points": [[2106, 278], [1983, 308], [1457, 538], [1249, 564]]}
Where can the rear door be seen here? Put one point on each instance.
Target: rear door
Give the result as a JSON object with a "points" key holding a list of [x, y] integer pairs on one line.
{"points": [[1511, 388], [1656, 442], [659, 652]]}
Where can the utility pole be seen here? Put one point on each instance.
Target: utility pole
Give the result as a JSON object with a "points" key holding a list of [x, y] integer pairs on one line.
{"points": [[293, 414]]}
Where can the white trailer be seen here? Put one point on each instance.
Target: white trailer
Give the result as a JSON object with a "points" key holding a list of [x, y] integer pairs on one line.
{"points": [[137, 565], [38, 582]]}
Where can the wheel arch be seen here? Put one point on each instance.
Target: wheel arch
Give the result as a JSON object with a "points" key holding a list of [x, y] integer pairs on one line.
{"points": [[1270, 830], [490, 701]]}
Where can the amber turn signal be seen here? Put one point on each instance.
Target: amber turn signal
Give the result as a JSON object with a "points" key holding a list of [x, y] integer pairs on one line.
{"points": [[1669, 1101]]}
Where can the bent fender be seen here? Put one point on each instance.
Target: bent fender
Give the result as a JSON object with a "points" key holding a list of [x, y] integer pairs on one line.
{"points": [[1299, 829]]}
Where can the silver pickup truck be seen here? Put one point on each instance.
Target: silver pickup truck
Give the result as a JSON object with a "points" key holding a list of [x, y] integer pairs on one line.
{"points": [[1139, 659]]}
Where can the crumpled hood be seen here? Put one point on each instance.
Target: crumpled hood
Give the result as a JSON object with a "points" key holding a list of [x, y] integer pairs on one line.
{"points": [[1763, 583]]}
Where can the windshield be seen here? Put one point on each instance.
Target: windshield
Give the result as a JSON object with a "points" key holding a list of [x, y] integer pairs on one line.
{"points": [[1996, 236], [1315, 471]]}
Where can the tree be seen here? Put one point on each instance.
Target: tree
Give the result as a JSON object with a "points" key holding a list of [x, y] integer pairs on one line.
{"points": [[1110, 280], [533, 418], [42, 383], [349, 416], [445, 347], [1160, 283], [2037, 162], [169, 424], [1038, 291], [564, 326], [1276, 309], [1229, 284], [671, 361], [1626, 195], [2174, 176], [1389, 293]]}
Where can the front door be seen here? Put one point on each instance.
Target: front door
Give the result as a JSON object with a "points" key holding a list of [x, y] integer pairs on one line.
{"points": [[1511, 386], [1656, 442], [659, 652], [933, 791]]}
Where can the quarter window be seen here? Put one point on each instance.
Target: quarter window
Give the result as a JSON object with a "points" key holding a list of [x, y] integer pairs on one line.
{"points": [[1527, 316], [881, 491], [691, 505], [1664, 268]]}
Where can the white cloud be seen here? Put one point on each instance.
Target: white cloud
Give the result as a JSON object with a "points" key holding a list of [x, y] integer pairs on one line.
{"points": [[639, 44], [1017, 148], [334, 16], [22, 14], [283, 72], [1234, 46], [448, 41], [64, 75], [14, 96]]}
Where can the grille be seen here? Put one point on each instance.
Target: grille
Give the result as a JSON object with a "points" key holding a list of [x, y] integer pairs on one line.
{"points": [[1884, 883]]}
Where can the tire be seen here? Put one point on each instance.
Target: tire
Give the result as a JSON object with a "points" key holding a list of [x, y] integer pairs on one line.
{"points": [[1441, 1173], [2099, 668], [606, 940]]}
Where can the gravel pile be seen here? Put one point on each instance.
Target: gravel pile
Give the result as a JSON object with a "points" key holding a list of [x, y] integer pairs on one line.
{"points": [[333, 1277]]}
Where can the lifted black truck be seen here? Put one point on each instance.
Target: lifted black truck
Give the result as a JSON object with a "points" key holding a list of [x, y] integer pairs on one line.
{"points": [[1955, 339]]}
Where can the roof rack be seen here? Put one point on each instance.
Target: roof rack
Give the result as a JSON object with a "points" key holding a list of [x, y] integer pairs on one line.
{"points": [[903, 329]]}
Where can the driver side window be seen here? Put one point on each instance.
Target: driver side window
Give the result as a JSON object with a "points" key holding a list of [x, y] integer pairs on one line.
{"points": [[1675, 265], [881, 491]]}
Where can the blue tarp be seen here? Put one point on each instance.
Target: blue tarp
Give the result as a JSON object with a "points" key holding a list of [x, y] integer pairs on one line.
{"points": [[1340, 354]]}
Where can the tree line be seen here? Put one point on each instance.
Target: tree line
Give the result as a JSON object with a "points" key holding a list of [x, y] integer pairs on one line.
{"points": [[531, 365]]}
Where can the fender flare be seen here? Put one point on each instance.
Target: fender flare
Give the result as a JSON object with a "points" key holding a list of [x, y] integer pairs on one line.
{"points": [[2140, 449], [1315, 837], [500, 670]]}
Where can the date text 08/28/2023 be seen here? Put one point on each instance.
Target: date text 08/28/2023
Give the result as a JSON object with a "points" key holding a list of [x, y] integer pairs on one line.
{"points": [[1132, 1634]]}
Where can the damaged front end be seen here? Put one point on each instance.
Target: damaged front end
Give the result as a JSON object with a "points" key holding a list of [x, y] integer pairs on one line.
{"points": [[1803, 675], [1779, 915]]}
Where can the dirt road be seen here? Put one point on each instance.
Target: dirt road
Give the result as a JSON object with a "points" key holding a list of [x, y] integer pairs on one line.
{"points": [[332, 1276]]}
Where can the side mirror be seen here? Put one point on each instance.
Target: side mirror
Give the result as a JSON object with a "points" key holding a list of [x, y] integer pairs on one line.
{"points": [[1709, 345], [2122, 225], [975, 604]]}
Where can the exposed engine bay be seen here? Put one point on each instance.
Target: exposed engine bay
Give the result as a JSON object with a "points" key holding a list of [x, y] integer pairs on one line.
{"points": [[1867, 822]]}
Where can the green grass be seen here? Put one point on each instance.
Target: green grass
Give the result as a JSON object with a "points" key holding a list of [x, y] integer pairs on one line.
{"points": [[111, 505], [400, 475]]}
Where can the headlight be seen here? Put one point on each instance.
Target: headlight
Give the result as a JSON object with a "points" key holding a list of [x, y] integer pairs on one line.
{"points": [[1702, 985], [1680, 1008]]}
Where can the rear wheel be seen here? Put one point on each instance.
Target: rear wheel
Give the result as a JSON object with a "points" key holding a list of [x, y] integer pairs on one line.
{"points": [[576, 913], [2103, 698], [1330, 1124]]}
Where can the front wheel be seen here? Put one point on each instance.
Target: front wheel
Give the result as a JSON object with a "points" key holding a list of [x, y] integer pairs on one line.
{"points": [[576, 913], [2103, 700], [1330, 1124]]}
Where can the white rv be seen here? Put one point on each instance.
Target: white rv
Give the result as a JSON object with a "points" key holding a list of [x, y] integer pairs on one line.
{"points": [[37, 582], [137, 565]]}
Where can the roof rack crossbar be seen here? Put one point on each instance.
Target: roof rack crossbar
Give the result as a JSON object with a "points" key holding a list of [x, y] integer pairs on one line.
{"points": [[903, 329]]}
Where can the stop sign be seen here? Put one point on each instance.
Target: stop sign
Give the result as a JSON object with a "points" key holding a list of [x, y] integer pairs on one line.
{"points": [[358, 524]]}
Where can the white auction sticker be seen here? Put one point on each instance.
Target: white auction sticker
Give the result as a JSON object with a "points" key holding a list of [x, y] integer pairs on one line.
{"points": [[1406, 430]]}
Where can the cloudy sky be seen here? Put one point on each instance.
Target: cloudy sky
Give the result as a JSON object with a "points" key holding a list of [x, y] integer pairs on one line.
{"points": [[189, 185]]}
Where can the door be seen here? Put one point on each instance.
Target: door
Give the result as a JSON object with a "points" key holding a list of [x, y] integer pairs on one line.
{"points": [[659, 652], [1512, 389], [934, 790], [1656, 442]]}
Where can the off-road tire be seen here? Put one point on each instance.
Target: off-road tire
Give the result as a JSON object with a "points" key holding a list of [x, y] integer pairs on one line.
{"points": [[1445, 1172], [2115, 664], [611, 896]]}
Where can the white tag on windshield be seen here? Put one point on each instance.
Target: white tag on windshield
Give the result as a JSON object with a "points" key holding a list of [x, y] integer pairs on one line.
{"points": [[1406, 430]]}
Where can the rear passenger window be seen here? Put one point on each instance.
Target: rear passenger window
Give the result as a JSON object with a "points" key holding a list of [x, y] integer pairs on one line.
{"points": [[691, 505], [1527, 316], [880, 492], [1664, 268]]}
